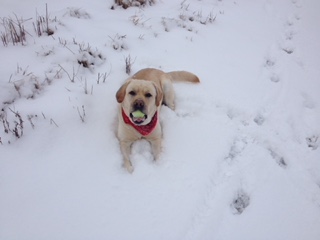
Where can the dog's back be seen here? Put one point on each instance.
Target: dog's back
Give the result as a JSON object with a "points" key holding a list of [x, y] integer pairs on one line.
{"points": [[151, 74], [164, 81], [175, 76]]}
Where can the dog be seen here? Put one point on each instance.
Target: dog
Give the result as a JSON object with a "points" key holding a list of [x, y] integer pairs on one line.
{"points": [[140, 99]]}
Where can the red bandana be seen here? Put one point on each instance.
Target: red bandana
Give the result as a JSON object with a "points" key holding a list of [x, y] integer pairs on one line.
{"points": [[143, 129]]}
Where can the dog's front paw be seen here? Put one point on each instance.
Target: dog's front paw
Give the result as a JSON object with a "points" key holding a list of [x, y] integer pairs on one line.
{"points": [[128, 165]]}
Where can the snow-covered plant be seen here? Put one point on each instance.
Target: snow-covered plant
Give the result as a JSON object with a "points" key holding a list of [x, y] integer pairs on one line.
{"points": [[138, 19], [78, 13], [25, 83], [118, 42], [89, 58], [132, 3]]}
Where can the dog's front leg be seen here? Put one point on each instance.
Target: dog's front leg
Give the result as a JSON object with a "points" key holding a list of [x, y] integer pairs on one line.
{"points": [[156, 148], [125, 147]]}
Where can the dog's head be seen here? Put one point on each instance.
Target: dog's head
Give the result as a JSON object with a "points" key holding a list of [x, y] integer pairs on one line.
{"points": [[141, 95]]}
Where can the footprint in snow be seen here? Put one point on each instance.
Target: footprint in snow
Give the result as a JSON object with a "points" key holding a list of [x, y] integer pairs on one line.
{"points": [[313, 142], [259, 119], [296, 3], [240, 202], [274, 77], [236, 149], [278, 158], [287, 44], [308, 101], [288, 49], [270, 65]]}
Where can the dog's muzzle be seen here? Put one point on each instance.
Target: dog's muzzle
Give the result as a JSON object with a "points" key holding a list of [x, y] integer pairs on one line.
{"points": [[138, 120], [138, 105]]}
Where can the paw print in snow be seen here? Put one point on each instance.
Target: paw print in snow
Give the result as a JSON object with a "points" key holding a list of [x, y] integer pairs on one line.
{"points": [[240, 202], [279, 159], [313, 142], [259, 119], [237, 147]]}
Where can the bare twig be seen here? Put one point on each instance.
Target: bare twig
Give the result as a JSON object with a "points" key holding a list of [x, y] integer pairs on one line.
{"points": [[73, 73], [18, 128], [30, 117], [103, 76], [3, 117], [83, 114], [129, 64], [53, 122], [86, 87]]}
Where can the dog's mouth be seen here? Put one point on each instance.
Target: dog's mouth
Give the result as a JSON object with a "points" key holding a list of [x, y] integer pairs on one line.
{"points": [[138, 120]]}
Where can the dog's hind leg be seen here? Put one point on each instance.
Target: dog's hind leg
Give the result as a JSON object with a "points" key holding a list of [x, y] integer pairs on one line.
{"points": [[168, 93]]}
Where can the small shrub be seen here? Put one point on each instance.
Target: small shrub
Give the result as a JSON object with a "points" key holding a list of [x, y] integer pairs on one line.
{"points": [[89, 58], [118, 42], [187, 19], [25, 83], [132, 3], [78, 13]]}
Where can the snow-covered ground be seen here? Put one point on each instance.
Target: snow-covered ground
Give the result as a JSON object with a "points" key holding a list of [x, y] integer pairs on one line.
{"points": [[241, 154]]}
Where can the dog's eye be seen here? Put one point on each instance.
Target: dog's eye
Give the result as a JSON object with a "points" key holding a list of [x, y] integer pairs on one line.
{"points": [[132, 93], [148, 95]]}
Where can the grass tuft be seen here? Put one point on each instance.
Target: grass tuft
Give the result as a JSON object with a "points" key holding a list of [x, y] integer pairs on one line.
{"points": [[14, 31], [41, 26]]}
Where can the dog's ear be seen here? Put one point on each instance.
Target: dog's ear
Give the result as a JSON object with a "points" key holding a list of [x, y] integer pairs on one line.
{"points": [[159, 96], [121, 93]]}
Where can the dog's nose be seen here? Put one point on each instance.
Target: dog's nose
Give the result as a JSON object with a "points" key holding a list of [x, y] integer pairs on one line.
{"points": [[138, 104]]}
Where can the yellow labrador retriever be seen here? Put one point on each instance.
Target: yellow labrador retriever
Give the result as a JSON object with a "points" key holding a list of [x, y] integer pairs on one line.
{"points": [[140, 99]]}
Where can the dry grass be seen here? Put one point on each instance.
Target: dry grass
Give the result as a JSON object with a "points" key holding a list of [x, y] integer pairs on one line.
{"points": [[41, 26], [129, 62], [14, 30], [17, 128]]}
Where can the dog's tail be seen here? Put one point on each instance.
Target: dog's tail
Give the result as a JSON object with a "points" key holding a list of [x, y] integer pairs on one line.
{"points": [[183, 76]]}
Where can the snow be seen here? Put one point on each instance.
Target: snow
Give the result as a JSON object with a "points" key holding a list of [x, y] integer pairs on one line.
{"points": [[240, 155]]}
